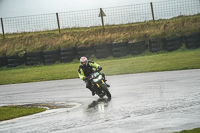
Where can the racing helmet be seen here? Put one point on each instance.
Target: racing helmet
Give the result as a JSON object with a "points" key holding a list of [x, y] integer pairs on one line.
{"points": [[83, 61]]}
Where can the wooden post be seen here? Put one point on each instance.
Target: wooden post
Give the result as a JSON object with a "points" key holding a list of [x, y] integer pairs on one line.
{"points": [[2, 27], [102, 17], [58, 22], [152, 11]]}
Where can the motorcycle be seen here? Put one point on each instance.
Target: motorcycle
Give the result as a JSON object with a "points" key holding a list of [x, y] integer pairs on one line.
{"points": [[99, 85]]}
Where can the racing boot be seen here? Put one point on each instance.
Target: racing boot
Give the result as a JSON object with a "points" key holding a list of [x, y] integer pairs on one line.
{"points": [[104, 79], [106, 83], [92, 90]]}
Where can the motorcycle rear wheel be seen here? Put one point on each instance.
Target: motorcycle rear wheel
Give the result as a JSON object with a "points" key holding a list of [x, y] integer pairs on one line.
{"points": [[105, 90]]}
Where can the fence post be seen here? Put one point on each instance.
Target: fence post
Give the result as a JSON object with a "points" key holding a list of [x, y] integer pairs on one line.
{"points": [[58, 22], [2, 27], [102, 17], [152, 11]]}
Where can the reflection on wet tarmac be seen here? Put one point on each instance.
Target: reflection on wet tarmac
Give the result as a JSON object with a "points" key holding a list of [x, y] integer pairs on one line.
{"points": [[98, 105]]}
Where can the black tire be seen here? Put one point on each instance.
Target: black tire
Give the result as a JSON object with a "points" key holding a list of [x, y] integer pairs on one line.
{"points": [[103, 46], [155, 49], [192, 40], [51, 56], [175, 43], [194, 35], [105, 90], [34, 54], [3, 61], [13, 65], [68, 53], [120, 49], [175, 39], [82, 49], [31, 63], [83, 52], [119, 44], [68, 49], [33, 58], [12, 57], [103, 51], [13, 61], [50, 52], [192, 45], [173, 48], [49, 61], [135, 46], [67, 59], [154, 45]]}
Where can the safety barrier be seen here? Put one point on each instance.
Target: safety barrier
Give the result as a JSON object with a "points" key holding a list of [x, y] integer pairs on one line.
{"points": [[192, 41], [51, 56], [156, 45], [34, 58], [68, 54], [14, 60], [117, 49], [138, 47], [103, 50]]}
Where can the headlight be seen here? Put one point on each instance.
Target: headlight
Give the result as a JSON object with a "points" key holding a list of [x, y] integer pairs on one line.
{"points": [[100, 77], [95, 80]]}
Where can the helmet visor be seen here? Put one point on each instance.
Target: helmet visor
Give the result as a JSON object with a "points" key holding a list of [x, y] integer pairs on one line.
{"points": [[84, 62]]}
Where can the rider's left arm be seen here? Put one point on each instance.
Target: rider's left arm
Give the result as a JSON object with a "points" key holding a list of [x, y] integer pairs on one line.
{"points": [[94, 65]]}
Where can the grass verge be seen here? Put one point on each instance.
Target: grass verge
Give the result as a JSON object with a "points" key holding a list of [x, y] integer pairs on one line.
{"points": [[10, 112], [147, 62], [196, 130]]}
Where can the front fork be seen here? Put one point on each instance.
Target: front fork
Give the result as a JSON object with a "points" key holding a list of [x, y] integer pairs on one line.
{"points": [[98, 84]]}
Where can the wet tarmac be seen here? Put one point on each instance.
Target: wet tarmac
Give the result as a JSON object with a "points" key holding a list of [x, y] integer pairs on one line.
{"points": [[160, 102]]}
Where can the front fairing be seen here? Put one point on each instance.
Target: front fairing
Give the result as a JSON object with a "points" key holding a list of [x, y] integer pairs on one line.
{"points": [[96, 78]]}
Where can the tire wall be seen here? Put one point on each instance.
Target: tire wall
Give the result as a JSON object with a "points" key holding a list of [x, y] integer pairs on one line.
{"points": [[51, 56], [15, 60], [173, 44], [103, 50], [118, 49], [192, 41], [3, 61], [137, 48], [85, 51], [156, 45], [68, 54], [34, 58]]}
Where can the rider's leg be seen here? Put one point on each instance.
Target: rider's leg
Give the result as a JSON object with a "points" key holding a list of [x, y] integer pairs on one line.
{"points": [[89, 86]]}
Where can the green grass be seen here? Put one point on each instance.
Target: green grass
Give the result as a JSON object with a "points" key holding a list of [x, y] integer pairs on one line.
{"points": [[147, 62], [196, 130], [10, 112]]}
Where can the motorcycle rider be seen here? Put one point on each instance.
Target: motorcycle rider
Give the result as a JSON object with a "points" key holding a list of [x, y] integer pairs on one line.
{"points": [[84, 71]]}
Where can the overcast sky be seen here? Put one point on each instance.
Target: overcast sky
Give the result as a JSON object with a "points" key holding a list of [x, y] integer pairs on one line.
{"points": [[14, 8]]}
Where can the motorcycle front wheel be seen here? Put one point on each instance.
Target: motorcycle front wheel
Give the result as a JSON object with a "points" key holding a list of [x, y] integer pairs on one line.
{"points": [[105, 90]]}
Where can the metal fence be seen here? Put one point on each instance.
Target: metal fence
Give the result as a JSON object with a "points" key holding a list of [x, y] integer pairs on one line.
{"points": [[87, 18]]}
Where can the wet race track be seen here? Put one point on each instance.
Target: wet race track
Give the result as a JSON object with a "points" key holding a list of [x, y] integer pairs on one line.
{"points": [[159, 102]]}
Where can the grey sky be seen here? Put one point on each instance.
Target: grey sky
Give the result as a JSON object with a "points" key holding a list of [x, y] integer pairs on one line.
{"points": [[14, 8]]}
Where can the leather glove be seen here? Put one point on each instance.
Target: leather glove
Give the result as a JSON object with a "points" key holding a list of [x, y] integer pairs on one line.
{"points": [[84, 78], [99, 68]]}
